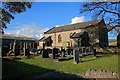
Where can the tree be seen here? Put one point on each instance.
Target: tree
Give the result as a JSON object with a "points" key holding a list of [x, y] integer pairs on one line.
{"points": [[93, 36], [107, 10], [8, 9]]}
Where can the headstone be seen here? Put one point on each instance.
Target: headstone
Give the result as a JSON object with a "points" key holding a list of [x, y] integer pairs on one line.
{"points": [[81, 55], [45, 54], [95, 53], [55, 53], [76, 55], [69, 51], [62, 51], [91, 50], [87, 50], [24, 48], [62, 54], [81, 52], [21, 48], [27, 52]]}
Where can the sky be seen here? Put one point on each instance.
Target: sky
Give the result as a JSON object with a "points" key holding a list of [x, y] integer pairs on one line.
{"points": [[45, 15]]}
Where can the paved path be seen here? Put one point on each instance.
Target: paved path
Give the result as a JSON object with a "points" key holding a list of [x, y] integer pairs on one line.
{"points": [[57, 74]]}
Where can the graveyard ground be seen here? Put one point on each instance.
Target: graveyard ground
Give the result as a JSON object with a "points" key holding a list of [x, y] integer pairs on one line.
{"points": [[22, 67]]}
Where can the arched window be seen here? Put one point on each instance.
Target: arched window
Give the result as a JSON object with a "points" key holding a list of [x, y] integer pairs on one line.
{"points": [[71, 34], [59, 38]]}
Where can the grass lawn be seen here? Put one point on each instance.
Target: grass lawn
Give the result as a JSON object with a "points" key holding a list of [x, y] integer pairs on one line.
{"points": [[37, 66]]}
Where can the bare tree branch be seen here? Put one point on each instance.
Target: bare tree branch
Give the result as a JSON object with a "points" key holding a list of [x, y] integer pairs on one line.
{"points": [[107, 10]]}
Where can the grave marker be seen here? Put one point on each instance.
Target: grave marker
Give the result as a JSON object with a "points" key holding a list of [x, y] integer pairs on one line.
{"points": [[45, 54], [76, 55]]}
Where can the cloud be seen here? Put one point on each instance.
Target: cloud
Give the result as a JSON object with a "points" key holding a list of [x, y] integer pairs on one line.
{"points": [[29, 30], [75, 20], [78, 19], [59, 25]]}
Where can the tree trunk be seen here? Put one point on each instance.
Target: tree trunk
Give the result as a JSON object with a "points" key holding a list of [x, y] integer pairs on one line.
{"points": [[118, 40]]}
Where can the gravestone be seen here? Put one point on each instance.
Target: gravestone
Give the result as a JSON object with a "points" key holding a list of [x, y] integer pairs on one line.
{"points": [[69, 51], [26, 50], [81, 51], [62, 51], [81, 55], [76, 55], [95, 52], [91, 50], [45, 54], [55, 53]]}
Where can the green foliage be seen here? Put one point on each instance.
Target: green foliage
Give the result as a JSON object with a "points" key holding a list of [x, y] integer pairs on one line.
{"points": [[93, 34], [8, 9], [37, 66]]}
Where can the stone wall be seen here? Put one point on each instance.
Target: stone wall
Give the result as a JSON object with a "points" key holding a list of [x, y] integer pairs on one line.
{"points": [[65, 38], [101, 74], [108, 50]]}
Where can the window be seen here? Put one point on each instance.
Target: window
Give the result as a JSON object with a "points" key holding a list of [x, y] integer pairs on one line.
{"points": [[59, 38], [49, 41], [71, 34]]}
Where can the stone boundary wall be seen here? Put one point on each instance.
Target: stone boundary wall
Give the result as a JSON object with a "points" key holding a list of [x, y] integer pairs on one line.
{"points": [[101, 74], [108, 50]]}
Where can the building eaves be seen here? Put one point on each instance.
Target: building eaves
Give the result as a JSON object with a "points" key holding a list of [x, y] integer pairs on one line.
{"points": [[81, 25]]}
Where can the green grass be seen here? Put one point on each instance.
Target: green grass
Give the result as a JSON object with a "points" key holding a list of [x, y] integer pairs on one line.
{"points": [[37, 66]]}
